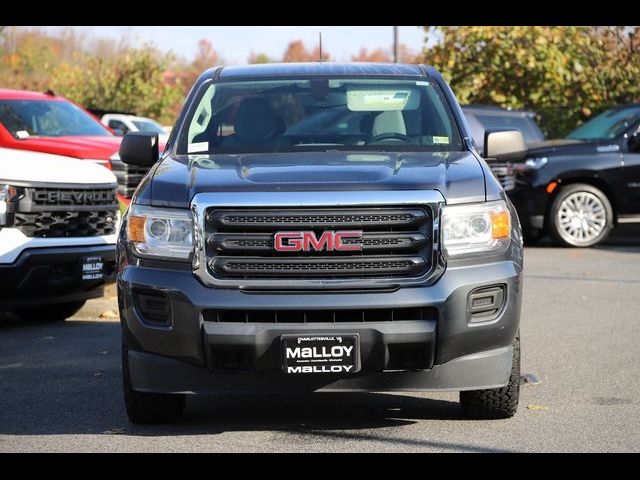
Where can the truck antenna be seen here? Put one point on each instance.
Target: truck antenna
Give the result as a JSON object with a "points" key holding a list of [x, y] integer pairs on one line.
{"points": [[320, 46]]}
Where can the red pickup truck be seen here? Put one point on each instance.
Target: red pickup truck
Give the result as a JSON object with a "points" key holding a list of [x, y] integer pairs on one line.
{"points": [[45, 122]]}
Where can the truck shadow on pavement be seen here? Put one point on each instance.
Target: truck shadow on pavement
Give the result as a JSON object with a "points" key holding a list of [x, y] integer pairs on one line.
{"points": [[65, 378]]}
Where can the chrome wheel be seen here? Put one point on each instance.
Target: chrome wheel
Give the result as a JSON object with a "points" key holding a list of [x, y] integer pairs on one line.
{"points": [[581, 218]]}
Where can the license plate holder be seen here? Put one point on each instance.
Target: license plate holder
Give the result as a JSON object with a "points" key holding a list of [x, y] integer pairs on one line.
{"points": [[320, 353], [92, 268]]}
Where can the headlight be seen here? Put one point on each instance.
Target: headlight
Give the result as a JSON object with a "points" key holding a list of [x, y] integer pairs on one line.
{"points": [[475, 229], [160, 232], [536, 163], [8, 195]]}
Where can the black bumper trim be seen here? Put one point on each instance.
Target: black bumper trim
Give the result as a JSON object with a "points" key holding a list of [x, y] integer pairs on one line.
{"points": [[155, 373], [42, 276], [259, 344]]}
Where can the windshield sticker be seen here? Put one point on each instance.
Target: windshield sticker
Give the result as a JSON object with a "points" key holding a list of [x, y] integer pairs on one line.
{"points": [[422, 83], [440, 140], [198, 147], [22, 134]]}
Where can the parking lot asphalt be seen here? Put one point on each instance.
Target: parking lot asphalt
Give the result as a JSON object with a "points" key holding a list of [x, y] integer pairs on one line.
{"points": [[61, 383]]}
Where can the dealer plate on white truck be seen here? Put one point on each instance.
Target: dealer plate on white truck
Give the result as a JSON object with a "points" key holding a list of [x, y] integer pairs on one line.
{"points": [[92, 268], [320, 353]]}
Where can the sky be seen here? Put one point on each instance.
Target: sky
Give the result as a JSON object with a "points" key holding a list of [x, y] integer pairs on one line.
{"points": [[235, 43]]}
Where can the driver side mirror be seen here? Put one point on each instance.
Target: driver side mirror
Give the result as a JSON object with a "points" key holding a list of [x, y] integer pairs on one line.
{"points": [[504, 144], [140, 148]]}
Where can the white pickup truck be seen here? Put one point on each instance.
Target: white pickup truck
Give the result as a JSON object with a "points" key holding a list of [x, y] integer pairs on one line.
{"points": [[58, 222]]}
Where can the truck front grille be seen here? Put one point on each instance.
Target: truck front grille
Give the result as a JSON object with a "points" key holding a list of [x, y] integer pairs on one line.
{"points": [[129, 176], [396, 242], [505, 174], [66, 212], [66, 224]]}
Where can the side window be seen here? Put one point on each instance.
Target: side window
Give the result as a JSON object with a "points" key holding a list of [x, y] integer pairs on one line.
{"points": [[202, 115], [118, 125]]}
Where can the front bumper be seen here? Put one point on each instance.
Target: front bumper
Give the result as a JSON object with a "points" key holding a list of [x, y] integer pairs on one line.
{"points": [[42, 276], [459, 353], [154, 373]]}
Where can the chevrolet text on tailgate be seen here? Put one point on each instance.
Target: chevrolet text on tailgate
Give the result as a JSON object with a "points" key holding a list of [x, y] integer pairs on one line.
{"points": [[315, 228]]}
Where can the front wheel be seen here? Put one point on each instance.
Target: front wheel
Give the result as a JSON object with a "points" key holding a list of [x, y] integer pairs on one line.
{"points": [[495, 403], [581, 216], [148, 408]]}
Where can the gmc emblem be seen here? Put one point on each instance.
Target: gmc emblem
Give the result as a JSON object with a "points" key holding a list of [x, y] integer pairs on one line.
{"points": [[307, 241]]}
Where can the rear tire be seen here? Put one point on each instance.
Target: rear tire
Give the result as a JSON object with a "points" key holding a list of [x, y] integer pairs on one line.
{"points": [[566, 225], [57, 312], [495, 403], [149, 408]]}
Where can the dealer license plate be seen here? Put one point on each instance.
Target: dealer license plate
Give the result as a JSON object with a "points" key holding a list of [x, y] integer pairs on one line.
{"points": [[92, 268], [320, 353]]}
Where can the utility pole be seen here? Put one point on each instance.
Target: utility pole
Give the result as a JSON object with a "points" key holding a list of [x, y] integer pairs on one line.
{"points": [[395, 45]]}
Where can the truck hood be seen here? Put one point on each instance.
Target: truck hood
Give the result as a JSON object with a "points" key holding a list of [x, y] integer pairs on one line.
{"points": [[457, 175], [567, 146], [99, 148], [23, 168]]}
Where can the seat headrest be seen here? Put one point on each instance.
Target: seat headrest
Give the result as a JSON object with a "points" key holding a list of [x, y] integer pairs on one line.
{"points": [[389, 122], [255, 121]]}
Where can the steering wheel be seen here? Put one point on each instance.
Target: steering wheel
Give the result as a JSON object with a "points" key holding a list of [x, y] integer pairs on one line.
{"points": [[389, 136]]}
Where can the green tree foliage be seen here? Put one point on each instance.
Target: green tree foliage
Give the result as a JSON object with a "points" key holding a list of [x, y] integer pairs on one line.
{"points": [[114, 77], [566, 74], [255, 58], [132, 82]]}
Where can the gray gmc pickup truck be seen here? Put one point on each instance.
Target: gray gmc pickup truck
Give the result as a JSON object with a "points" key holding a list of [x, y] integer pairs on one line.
{"points": [[314, 228]]}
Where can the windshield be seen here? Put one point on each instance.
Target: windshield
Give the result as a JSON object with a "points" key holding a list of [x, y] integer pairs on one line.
{"points": [[607, 125], [320, 114], [47, 118], [149, 126]]}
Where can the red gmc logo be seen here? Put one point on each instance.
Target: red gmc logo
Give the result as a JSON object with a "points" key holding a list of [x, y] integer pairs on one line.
{"points": [[307, 241]]}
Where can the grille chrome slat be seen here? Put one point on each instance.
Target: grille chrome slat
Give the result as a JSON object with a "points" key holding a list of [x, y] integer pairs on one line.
{"points": [[262, 243], [129, 176], [505, 175], [325, 266], [317, 218]]}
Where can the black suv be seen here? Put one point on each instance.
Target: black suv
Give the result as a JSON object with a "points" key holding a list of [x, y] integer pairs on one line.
{"points": [[320, 227], [579, 188]]}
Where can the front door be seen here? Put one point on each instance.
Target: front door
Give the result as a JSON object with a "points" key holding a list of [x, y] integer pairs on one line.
{"points": [[631, 177]]}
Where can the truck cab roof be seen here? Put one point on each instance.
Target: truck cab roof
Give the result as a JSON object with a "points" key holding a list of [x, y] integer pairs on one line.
{"points": [[318, 68]]}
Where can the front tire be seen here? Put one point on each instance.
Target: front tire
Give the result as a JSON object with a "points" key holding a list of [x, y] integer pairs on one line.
{"points": [[495, 403], [57, 312], [149, 408], [581, 216]]}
